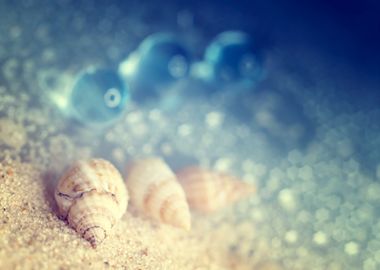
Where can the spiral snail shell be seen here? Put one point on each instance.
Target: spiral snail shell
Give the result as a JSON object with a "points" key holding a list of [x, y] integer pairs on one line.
{"points": [[155, 191], [92, 196], [208, 191]]}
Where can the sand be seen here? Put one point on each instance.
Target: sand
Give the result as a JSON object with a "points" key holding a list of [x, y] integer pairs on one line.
{"points": [[33, 237]]}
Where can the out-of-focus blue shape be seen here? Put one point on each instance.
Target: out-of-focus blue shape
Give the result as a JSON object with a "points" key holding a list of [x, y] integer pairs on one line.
{"points": [[232, 57], [99, 96], [160, 60]]}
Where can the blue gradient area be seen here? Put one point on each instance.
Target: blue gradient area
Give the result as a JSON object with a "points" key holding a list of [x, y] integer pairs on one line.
{"points": [[346, 31], [99, 96]]}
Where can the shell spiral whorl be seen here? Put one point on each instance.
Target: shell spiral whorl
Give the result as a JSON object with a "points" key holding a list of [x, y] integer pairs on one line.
{"points": [[92, 196], [155, 191]]}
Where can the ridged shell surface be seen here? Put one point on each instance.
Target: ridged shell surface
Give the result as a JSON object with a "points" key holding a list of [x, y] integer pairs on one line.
{"points": [[155, 191], [208, 191], [92, 196]]}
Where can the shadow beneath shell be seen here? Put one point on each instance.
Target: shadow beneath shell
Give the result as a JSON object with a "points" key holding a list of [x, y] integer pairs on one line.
{"points": [[50, 180]]}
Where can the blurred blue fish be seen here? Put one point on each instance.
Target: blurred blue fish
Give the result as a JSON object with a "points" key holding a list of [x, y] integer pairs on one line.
{"points": [[232, 58], [99, 96], [160, 61]]}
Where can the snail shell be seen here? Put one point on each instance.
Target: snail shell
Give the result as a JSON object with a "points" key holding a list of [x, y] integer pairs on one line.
{"points": [[92, 196], [155, 191], [208, 191]]}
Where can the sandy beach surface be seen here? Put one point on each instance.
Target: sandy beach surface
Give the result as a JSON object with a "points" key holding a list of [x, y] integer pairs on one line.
{"points": [[33, 237]]}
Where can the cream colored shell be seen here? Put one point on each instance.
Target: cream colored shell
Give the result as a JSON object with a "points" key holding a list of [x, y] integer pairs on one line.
{"points": [[155, 191], [208, 191], [92, 196]]}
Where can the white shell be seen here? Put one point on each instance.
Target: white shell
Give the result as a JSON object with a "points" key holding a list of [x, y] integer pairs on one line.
{"points": [[92, 196], [155, 191], [208, 191]]}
